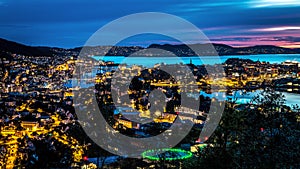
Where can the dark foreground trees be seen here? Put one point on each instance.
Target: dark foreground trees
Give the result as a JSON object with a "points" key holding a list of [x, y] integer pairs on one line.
{"points": [[264, 135]]}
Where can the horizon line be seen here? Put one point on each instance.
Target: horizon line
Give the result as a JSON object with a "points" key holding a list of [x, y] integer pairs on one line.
{"points": [[147, 46]]}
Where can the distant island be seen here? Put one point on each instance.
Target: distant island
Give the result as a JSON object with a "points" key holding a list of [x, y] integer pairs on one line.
{"points": [[10, 47]]}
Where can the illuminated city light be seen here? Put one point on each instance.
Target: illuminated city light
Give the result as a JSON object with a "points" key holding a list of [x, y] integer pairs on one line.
{"points": [[164, 154]]}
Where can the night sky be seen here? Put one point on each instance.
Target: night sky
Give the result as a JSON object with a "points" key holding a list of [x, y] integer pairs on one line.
{"points": [[69, 23]]}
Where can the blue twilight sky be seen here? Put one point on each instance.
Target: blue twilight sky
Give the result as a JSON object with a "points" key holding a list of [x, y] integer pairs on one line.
{"points": [[69, 23]]}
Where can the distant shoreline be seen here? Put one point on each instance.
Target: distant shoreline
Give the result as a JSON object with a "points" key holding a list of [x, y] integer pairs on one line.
{"points": [[197, 60], [280, 54]]}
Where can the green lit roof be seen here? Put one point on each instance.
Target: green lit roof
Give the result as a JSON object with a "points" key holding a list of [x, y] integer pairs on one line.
{"points": [[169, 154]]}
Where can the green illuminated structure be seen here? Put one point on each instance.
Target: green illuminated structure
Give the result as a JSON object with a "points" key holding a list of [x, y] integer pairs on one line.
{"points": [[169, 154]]}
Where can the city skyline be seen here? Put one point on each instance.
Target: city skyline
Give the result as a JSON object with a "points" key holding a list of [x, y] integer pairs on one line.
{"points": [[69, 24], [149, 84]]}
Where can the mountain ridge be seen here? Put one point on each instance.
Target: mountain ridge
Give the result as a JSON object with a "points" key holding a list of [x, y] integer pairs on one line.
{"points": [[179, 50]]}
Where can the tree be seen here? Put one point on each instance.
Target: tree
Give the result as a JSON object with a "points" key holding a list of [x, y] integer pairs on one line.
{"points": [[264, 135]]}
